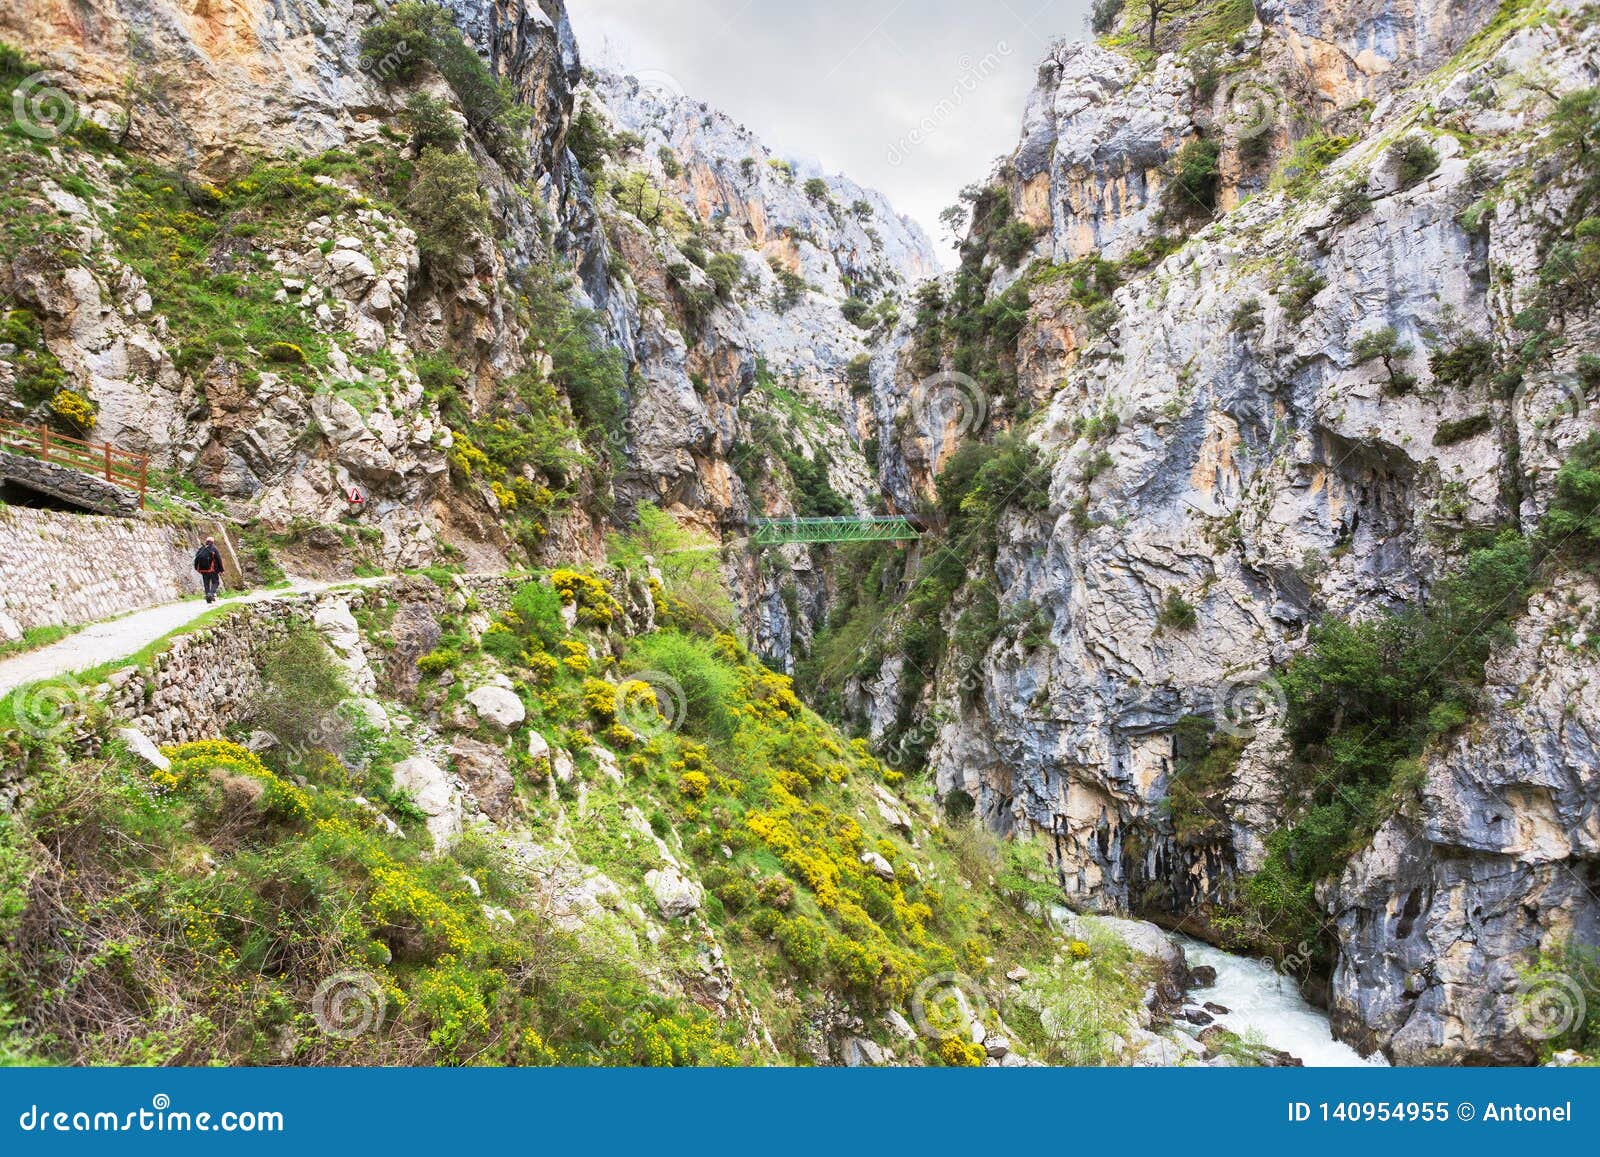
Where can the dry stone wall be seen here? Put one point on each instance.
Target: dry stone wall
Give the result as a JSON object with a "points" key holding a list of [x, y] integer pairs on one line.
{"points": [[206, 680], [61, 568]]}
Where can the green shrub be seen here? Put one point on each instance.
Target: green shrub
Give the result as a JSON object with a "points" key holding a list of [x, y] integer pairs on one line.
{"points": [[1299, 170], [791, 287], [1012, 242], [1573, 520], [1363, 701], [1196, 180], [39, 376], [538, 610], [301, 689], [1385, 345], [1414, 158], [708, 683], [410, 34], [1298, 286], [445, 206], [1449, 433], [724, 270], [1464, 364], [1178, 613], [429, 123]]}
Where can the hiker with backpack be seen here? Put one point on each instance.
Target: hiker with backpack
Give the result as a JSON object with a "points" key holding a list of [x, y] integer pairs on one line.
{"points": [[208, 562]]}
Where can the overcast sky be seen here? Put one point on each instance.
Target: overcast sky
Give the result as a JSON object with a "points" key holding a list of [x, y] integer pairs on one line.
{"points": [[914, 97]]}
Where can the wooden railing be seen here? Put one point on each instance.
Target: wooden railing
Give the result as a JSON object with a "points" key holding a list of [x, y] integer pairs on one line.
{"points": [[122, 467]]}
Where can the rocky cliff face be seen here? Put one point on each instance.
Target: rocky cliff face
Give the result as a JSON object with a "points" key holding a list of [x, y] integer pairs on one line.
{"points": [[748, 294], [1238, 319], [703, 359]]}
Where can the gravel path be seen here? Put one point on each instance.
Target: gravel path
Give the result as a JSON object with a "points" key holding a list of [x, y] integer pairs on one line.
{"points": [[112, 639]]}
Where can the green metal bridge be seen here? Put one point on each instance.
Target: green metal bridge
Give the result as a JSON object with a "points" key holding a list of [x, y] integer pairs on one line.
{"points": [[867, 528]]}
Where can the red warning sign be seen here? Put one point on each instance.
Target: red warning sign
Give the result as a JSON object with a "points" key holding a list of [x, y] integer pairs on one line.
{"points": [[355, 497]]}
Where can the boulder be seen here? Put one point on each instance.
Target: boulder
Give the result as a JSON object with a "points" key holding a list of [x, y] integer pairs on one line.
{"points": [[676, 895], [899, 1025], [890, 810], [607, 762], [433, 792], [144, 747], [497, 707], [486, 772], [879, 866], [1202, 976], [372, 712], [859, 1052]]}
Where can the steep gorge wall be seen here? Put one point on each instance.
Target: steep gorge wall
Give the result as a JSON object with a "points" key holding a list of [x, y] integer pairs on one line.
{"points": [[1217, 430]]}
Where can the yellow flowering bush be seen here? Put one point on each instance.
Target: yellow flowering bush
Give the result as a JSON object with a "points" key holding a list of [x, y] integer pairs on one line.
{"points": [[404, 904], [455, 999], [600, 699], [213, 759], [575, 656], [597, 607], [959, 1053], [543, 665], [465, 458], [73, 409], [694, 784]]}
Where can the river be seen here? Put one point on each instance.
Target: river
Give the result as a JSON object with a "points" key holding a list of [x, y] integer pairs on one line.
{"points": [[1264, 1004]]}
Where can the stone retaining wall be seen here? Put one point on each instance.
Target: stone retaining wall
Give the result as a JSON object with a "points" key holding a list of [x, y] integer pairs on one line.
{"points": [[75, 487], [59, 568], [206, 680]]}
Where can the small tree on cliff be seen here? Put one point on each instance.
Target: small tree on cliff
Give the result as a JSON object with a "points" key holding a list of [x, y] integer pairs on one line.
{"points": [[1151, 13]]}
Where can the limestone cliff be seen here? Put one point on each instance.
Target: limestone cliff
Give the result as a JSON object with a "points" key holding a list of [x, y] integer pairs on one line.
{"points": [[1237, 273]]}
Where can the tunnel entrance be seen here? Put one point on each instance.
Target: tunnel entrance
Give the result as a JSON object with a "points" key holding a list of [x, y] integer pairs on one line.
{"points": [[14, 493]]}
